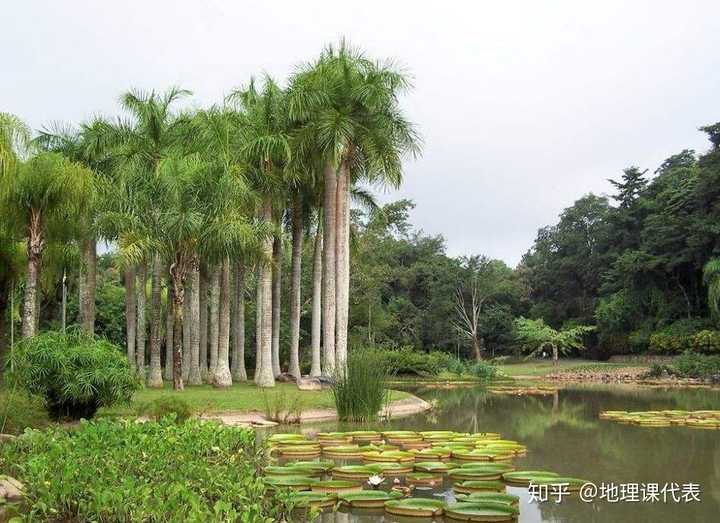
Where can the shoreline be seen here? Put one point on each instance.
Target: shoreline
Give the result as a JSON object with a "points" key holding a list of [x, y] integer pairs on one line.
{"points": [[256, 419]]}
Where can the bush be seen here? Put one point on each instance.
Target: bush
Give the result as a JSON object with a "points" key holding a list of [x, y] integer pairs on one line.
{"points": [[281, 408], [482, 370], [74, 373], [690, 365], [167, 406], [704, 341], [361, 392], [154, 471], [19, 411], [410, 361]]}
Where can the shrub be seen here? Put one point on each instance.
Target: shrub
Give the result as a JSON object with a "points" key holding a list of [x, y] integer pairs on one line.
{"points": [[167, 406], [704, 341], [19, 411], [74, 373], [690, 365], [410, 361], [361, 392], [154, 471], [482, 370]]}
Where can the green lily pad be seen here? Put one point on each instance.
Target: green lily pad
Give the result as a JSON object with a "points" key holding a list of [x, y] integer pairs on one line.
{"points": [[336, 486], [348, 451], [471, 486], [293, 482], [291, 471], [482, 455], [358, 472], [497, 497], [392, 469], [434, 466], [286, 437], [423, 478], [490, 471], [320, 465], [434, 453], [416, 507], [524, 477], [572, 484], [308, 499], [480, 512], [397, 456], [368, 498]]}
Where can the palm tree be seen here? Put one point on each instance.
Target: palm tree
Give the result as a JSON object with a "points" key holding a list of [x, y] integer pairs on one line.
{"points": [[276, 296], [315, 368], [238, 371], [37, 194], [266, 152], [295, 285], [348, 107]]}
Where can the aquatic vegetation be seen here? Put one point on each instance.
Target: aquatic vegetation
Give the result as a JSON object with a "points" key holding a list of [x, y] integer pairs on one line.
{"points": [[472, 486], [418, 507], [434, 466], [524, 477], [291, 471], [299, 451], [336, 486], [481, 511], [497, 497], [480, 454], [523, 390], [389, 456], [291, 482], [572, 484], [709, 419], [368, 498], [423, 478], [343, 451], [310, 499], [364, 436], [480, 472], [356, 472], [433, 453]]}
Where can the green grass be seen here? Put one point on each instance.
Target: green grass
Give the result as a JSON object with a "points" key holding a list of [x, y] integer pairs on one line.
{"points": [[241, 397], [541, 368]]}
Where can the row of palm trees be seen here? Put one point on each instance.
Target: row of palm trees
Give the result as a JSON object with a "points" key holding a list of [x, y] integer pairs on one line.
{"points": [[200, 200]]}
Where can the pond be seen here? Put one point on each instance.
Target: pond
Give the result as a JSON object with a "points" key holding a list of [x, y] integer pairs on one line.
{"points": [[563, 434]]}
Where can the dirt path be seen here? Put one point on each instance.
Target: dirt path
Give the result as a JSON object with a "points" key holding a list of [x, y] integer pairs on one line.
{"points": [[396, 409]]}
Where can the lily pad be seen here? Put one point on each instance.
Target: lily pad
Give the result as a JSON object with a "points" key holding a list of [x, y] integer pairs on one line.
{"points": [[393, 469], [497, 497], [309, 499], [434, 466], [471, 486], [433, 453], [489, 471], [291, 471], [480, 512], [482, 455], [315, 466], [356, 472], [572, 484], [365, 436], [344, 451], [368, 498], [292, 482], [286, 437], [524, 477], [389, 456], [336, 486], [415, 507], [423, 478], [299, 451]]}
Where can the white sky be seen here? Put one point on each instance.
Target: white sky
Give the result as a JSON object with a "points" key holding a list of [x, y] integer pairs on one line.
{"points": [[524, 106]]}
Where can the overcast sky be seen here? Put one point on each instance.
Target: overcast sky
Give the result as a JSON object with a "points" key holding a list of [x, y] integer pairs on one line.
{"points": [[524, 106]]}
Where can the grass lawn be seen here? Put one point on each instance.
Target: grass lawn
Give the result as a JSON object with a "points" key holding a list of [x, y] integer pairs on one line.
{"points": [[239, 397], [543, 367]]}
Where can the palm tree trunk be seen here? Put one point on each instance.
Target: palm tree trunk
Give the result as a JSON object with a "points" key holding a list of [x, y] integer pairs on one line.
{"points": [[258, 321], [187, 330], [130, 314], [238, 325], [169, 328], [194, 377], [30, 302], [296, 287], [328, 280], [315, 369], [203, 325], [223, 378], [276, 296], [265, 376], [178, 308], [141, 322], [214, 333], [87, 284], [342, 268], [155, 376]]}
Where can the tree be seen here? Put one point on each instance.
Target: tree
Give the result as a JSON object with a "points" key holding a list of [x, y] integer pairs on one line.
{"points": [[536, 335], [711, 278], [347, 107], [468, 316]]}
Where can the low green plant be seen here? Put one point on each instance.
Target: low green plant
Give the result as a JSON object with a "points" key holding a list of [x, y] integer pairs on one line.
{"points": [[692, 365], [407, 360], [482, 370], [281, 407], [74, 373], [168, 406], [360, 392], [19, 411], [156, 471]]}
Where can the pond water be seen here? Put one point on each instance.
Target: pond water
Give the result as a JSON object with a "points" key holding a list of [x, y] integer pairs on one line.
{"points": [[563, 434]]}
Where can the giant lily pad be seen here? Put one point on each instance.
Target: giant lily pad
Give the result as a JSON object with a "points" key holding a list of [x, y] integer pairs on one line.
{"points": [[314, 466], [343, 451], [416, 507], [472, 486], [397, 456], [434, 466], [308, 499], [524, 477], [336, 486], [299, 451], [368, 498], [482, 455], [365, 436], [291, 471], [286, 437], [435, 453], [496, 497], [355, 472], [423, 478], [292, 482], [392, 469], [489, 471], [572, 484], [481, 512]]}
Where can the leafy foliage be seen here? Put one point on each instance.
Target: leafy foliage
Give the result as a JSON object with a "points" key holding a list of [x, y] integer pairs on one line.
{"points": [[74, 373], [174, 407], [111, 471], [536, 335], [691, 365]]}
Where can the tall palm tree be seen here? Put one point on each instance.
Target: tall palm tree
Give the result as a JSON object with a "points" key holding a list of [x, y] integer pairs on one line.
{"points": [[238, 371], [315, 367], [348, 107], [266, 152], [276, 297]]}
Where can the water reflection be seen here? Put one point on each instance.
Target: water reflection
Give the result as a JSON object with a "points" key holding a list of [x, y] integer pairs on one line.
{"points": [[563, 434]]}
